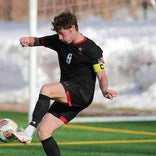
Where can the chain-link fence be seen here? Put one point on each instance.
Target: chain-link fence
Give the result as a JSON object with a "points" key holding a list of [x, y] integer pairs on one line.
{"points": [[17, 10]]}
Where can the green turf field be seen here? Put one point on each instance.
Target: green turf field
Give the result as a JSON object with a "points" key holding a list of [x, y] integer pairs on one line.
{"points": [[90, 139]]}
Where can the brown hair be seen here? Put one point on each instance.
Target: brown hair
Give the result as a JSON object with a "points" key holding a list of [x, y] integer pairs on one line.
{"points": [[64, 20]]}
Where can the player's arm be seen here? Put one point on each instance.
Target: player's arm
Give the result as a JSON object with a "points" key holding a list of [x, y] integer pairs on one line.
{"points": [[99, 68], [29, 41]]}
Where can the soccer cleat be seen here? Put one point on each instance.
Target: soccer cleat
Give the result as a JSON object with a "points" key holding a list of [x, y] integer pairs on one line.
{"points": [[22, 137]]}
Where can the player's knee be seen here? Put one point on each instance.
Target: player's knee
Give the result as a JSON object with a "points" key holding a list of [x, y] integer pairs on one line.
{"points": [[43, 133], [40, 133], [45, 90]]}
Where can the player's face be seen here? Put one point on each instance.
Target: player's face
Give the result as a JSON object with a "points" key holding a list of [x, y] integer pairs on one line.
{"points": [[66, 35]]}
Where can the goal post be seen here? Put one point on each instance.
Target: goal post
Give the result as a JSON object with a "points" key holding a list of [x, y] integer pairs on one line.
{"points": [[32, 57]]}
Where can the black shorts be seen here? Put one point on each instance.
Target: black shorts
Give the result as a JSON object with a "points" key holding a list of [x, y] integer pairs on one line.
{"points": [[79, 97]]}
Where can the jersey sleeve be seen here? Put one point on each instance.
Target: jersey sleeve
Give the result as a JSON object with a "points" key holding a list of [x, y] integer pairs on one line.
{"points": [[96, 58], [51, 42], [96, 54]]}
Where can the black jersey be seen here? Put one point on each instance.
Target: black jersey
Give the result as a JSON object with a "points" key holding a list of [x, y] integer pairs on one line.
{"points": [[76, 60]]}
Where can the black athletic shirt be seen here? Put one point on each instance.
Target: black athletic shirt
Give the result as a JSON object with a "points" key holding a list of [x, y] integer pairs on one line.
{"points": [[76, 60]]}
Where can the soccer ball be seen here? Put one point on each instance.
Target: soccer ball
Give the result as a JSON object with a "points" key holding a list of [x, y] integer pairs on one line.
{"points": [[7, 127]]}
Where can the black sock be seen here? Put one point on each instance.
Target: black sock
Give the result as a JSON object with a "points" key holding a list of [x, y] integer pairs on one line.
{"points": [[50, 147], [41, 108]]}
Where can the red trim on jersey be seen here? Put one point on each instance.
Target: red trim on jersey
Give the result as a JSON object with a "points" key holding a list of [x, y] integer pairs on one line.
{"points": [[62, 118], [79, 42], [68, 98]]}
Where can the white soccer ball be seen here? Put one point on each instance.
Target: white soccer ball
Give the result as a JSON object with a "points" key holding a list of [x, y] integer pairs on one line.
{"points": [[7, 127]]}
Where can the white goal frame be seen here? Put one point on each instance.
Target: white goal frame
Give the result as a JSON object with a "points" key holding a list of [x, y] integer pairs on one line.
{"points": [[32, 56]]}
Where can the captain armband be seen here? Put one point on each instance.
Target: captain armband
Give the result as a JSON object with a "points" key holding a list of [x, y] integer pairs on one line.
{"points": [[99, 67]]}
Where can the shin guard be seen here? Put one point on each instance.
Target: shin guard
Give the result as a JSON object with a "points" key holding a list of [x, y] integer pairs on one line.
{"points": [[51, 147], [40, 110]]}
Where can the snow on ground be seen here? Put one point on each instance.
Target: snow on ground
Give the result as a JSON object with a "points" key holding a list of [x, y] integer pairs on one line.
{"points": [[129, 52]]}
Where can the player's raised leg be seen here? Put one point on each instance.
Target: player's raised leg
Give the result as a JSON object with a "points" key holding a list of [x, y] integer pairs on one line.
{"points": [[53, 91]]}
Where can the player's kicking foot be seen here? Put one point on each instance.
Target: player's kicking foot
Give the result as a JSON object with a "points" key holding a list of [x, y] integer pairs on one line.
{"points": [[23, 137]]}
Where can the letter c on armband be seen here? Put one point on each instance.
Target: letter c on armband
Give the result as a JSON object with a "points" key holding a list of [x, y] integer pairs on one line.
{"points": [[99, 67]]}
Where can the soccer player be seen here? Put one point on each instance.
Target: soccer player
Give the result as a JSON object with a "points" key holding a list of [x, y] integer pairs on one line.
{"points": [[80, 61]]}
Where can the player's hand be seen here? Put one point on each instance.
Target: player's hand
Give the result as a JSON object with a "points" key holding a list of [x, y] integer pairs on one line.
{"points": [[110, 94], [24, 41]]}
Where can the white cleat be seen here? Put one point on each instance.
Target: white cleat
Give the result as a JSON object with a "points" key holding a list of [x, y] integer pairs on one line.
{"points": [[23, 137]]}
